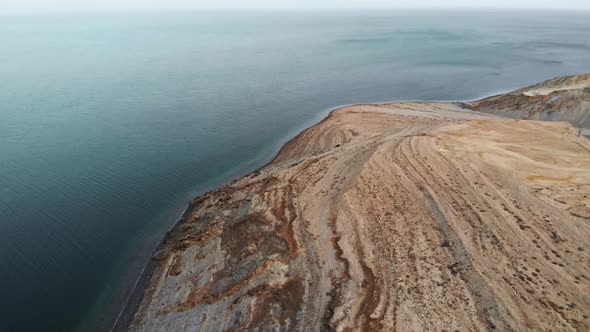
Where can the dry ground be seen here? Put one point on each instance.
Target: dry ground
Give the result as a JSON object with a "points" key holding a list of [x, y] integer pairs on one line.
{"points": [[394, 217]]}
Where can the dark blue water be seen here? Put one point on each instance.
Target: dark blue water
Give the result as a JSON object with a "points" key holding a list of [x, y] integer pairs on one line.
{"points": [[109, 123]]}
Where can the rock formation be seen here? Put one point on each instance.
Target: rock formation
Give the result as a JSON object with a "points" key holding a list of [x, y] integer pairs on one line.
{"points": [[559, 99]]}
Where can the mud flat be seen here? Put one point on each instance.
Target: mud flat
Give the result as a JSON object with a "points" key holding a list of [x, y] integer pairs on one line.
{"points": [[396, 217]]}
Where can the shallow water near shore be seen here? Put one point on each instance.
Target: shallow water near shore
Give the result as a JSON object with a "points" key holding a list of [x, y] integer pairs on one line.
{"points": [[110, 123]]}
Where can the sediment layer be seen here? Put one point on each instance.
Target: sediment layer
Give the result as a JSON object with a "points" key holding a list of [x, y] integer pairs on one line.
{"points": [[559, 99], [394, 217]]}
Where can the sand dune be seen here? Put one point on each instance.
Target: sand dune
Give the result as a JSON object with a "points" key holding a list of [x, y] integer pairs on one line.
{"points": [[393, 217]]}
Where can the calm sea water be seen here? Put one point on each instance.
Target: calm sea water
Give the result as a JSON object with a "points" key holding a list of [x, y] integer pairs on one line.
{"points": [[109, 123]]}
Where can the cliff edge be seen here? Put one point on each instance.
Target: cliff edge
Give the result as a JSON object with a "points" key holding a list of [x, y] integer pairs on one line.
{"points": [[559, 99]]}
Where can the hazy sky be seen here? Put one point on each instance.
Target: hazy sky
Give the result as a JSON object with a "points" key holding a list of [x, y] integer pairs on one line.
{"points": [[58, 5]]}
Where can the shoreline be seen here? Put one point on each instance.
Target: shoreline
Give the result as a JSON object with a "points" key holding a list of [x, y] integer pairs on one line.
{"points": [[133, 302], [276, 249], [127, 313]]}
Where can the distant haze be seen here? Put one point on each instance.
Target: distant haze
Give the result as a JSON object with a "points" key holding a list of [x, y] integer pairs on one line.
{"points": [[10, 6]]}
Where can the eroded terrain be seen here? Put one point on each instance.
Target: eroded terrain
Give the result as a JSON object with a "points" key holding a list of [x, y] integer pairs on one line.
{"points": [[393, 217]]}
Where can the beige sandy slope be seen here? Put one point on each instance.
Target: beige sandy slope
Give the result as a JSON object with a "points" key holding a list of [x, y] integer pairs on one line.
{"points": [[394, 217]]}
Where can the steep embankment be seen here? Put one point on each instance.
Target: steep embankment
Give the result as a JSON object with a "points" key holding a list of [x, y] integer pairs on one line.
{"points": [[559, 99], [404, 216]]}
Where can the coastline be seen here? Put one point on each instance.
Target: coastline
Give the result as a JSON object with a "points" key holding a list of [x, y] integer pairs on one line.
{"points": [[127, 312], [133, 302], [126, 316], [293, 246], [131, 306]]}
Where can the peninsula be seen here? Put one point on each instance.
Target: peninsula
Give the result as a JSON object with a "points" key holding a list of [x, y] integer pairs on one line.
{"points": [[413, 216]]}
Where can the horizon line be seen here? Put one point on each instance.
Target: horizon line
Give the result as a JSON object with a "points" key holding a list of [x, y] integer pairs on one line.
{"points": [[271, 9]]}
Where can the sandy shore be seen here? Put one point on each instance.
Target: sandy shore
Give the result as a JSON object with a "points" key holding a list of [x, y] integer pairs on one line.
{"points": [[400, 216]]}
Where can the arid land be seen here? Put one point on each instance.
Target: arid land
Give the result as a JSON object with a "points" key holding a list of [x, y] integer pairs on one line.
{"points": [[396, 217]]}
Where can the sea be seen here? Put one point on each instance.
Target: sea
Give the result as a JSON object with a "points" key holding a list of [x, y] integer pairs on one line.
{"points": [[110, 122]]}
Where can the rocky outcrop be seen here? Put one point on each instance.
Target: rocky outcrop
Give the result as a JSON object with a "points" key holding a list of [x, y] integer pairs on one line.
{"points": [[393, 217], [558, 99]]}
